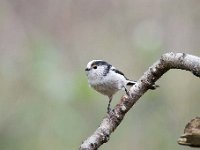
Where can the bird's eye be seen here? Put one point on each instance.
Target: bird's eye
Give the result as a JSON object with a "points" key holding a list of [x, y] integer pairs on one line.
{"points": [[94, 67]]}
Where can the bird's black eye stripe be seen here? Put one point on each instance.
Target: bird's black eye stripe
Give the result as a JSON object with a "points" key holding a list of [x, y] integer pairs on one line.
{"points": [[100, 63]]}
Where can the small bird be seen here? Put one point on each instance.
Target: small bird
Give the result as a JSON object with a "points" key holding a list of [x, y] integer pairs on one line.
{"points": [[107, 80]]}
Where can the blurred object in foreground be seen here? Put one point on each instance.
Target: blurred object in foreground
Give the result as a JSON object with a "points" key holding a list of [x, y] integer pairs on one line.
{"points": [[191, 136]]}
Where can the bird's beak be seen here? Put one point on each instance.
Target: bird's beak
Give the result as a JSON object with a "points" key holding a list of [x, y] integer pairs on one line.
{"points": [[87, 69]]}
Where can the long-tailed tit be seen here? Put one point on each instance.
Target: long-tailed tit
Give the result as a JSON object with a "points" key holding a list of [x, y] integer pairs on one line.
{"points": [[106, 79]]}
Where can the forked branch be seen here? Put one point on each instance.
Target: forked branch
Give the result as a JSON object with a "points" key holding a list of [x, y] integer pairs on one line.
{"points": [[113, 119]]}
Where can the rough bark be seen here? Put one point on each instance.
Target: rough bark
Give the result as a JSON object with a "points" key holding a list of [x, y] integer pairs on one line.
{"points": [[113, 119]]}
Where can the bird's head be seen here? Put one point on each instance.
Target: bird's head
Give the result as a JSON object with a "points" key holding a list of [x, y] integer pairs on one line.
{"points": [[97, 69]]}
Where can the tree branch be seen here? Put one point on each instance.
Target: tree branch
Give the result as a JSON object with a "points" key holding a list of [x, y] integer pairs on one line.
{"points": [[113, 119]]}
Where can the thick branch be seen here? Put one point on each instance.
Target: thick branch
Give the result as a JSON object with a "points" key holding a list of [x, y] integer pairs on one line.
{"points": [[113, 119]]}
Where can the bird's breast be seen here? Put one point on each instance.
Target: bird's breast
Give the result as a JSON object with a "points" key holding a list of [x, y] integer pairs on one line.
{"points": [[107, 88]]}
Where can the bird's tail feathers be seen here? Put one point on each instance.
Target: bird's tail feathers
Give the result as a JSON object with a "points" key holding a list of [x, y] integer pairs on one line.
{"points": [[130, 83], [152, 87]]}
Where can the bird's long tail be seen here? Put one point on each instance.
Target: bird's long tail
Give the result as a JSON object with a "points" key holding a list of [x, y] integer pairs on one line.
{"points": [[152, 87], [130, 83]]}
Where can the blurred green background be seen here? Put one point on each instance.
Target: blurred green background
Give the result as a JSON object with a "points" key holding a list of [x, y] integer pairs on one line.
{"points": [[45, 101]]}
